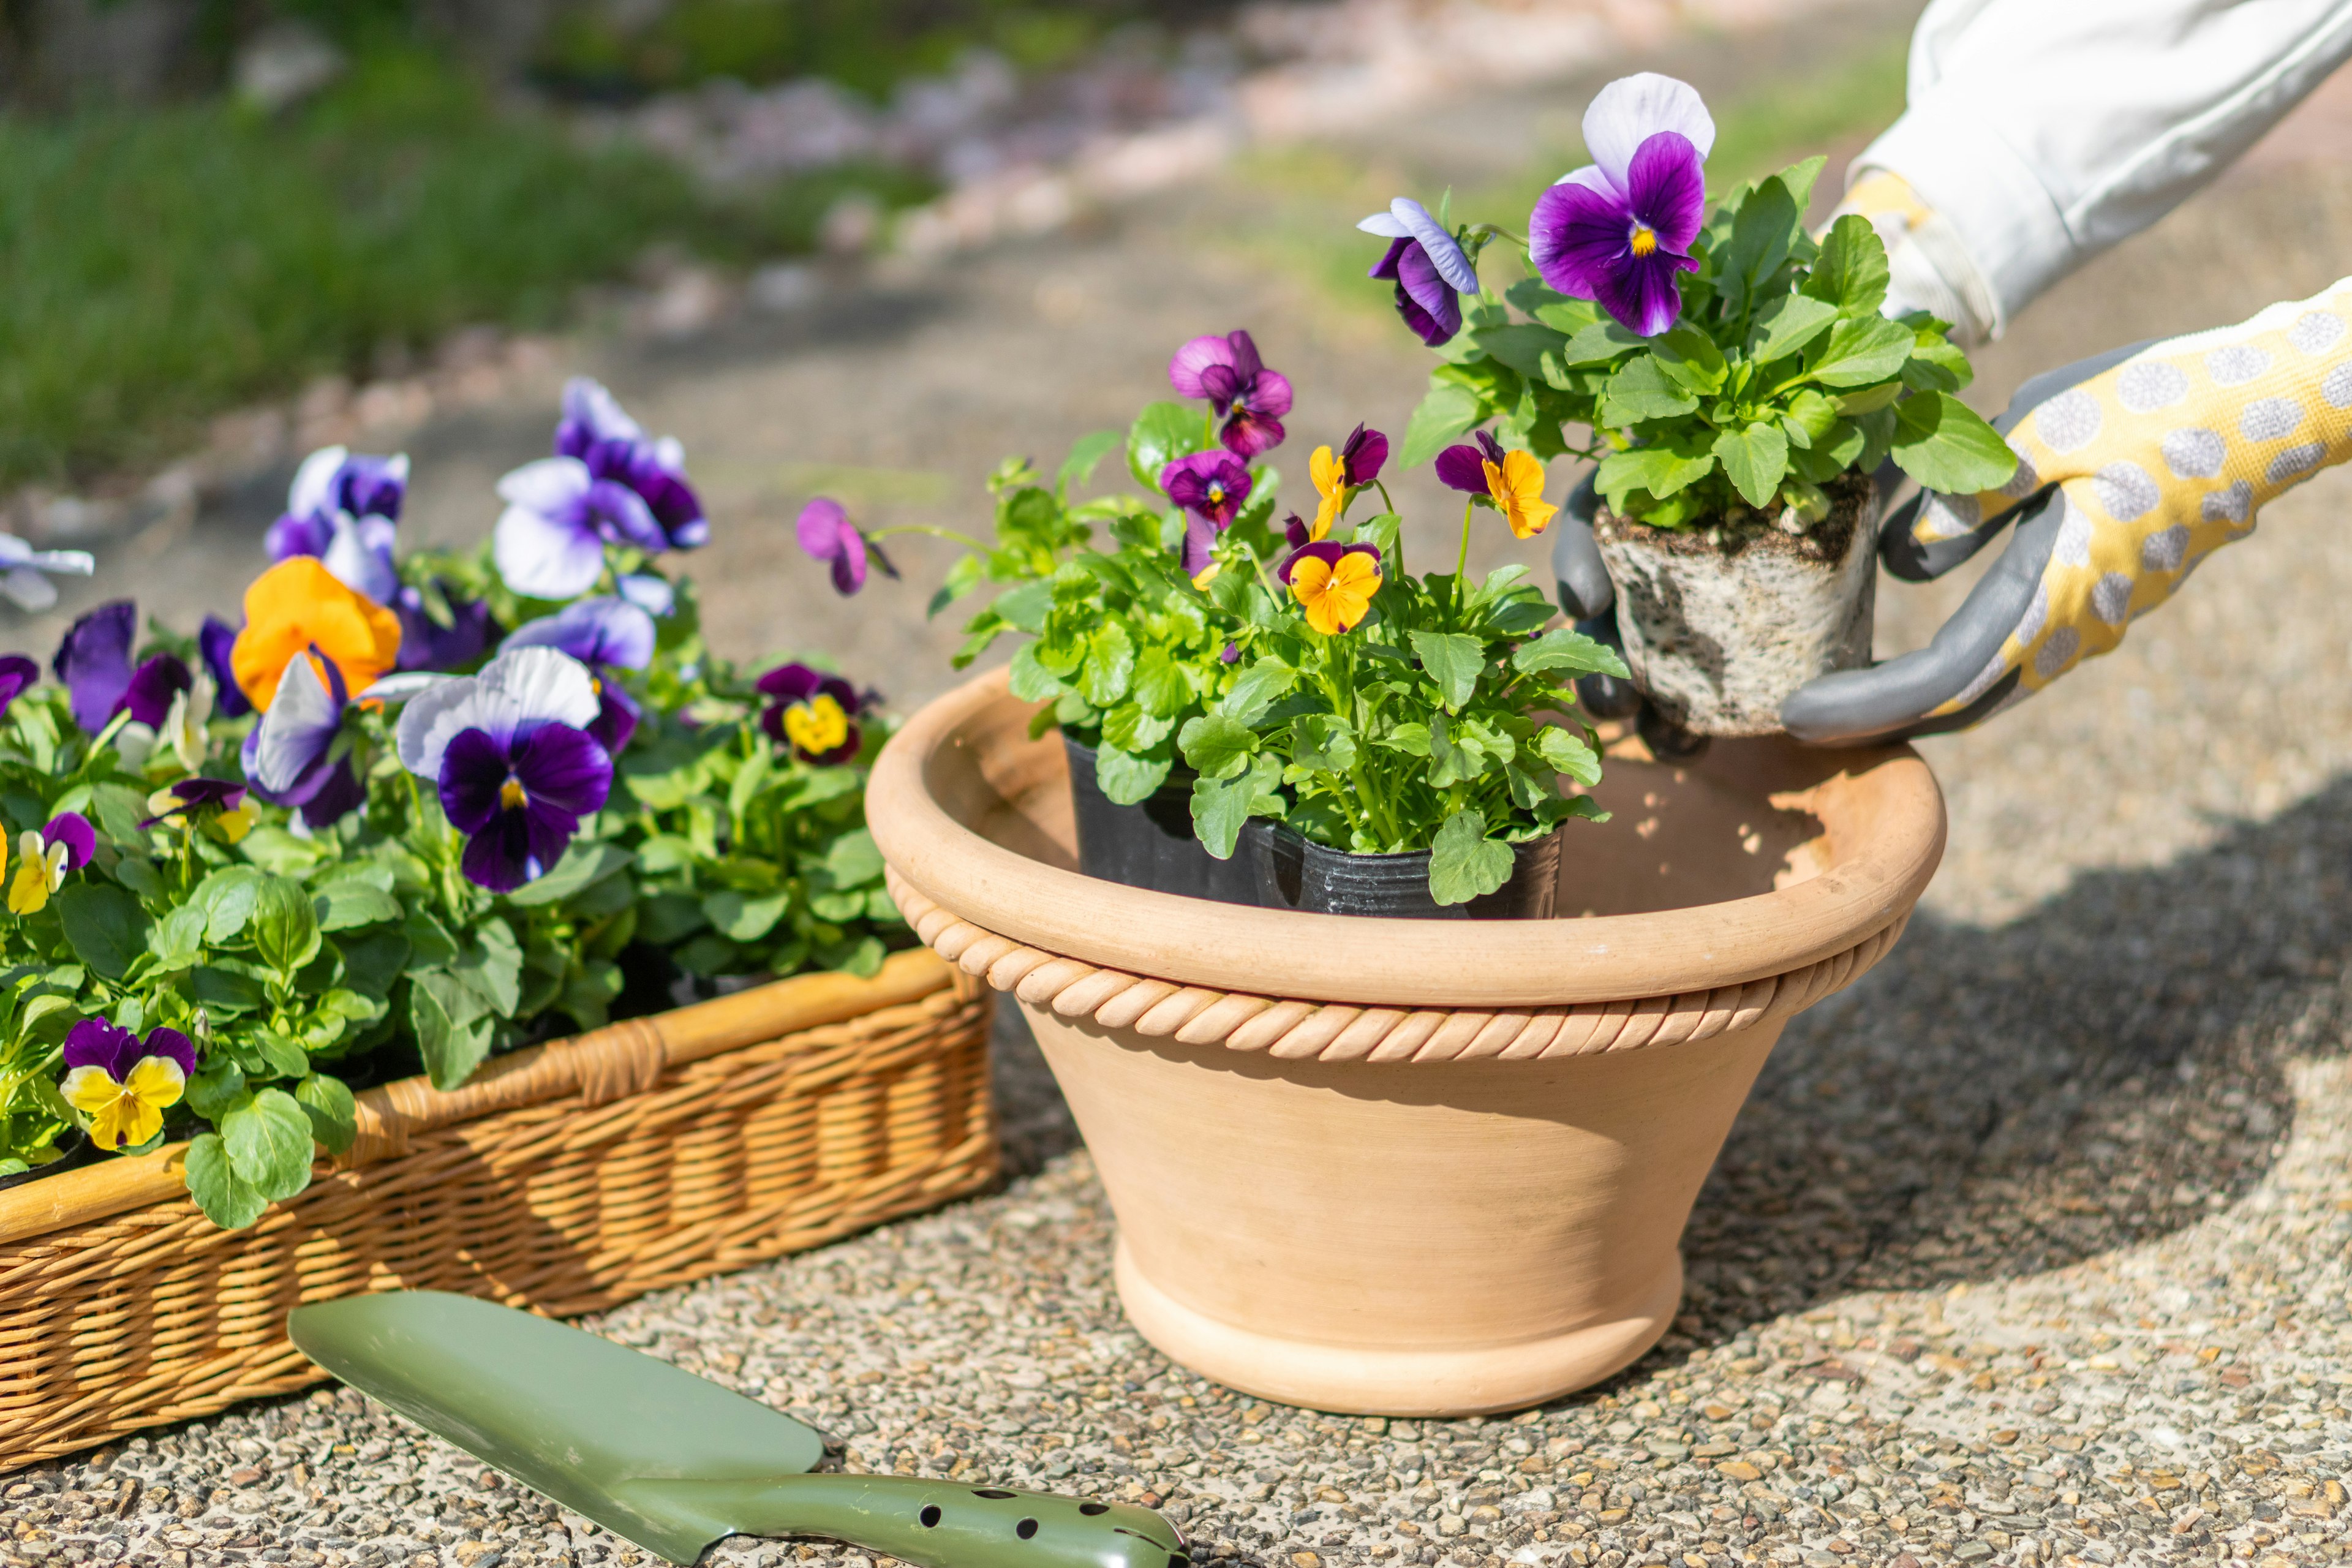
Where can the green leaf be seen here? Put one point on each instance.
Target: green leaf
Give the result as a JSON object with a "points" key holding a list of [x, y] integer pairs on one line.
{"points": [[852, 859], [1222, 806], [269, 1143], [1463, 863], [1861, 350], [217, 1084], [1565, 648], [1129, 728], [1940, 442], [1755, 459], [1322, 741], [1024, 608], [1111, 659], [491, 966], [119, 809], [962, 579], [1851, 272], [742, 918], [1159, 685], [1520, 346], [226, 991], [333, 1113], [1768, 225], [104, 925], [583, 867], [1162, 433], [1568, 753], [285, 931], [1256, 689], [348, 901], [1786, 325], [451, 1025], [177, 940], [372, 962], [1662, 470], [1126, 778], [1690, 359], [228, 1201], [1598, 343], [1085, 453], [1029, 679], [1454, 661], [1642, 389], [1216, 746], [1445, 416]]}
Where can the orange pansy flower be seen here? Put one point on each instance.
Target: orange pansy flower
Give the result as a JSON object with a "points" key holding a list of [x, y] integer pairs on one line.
{"points": [[297, 605]]}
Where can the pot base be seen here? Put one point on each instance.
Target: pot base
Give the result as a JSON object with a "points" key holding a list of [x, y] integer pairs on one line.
{"points": [[1373, 1380]]}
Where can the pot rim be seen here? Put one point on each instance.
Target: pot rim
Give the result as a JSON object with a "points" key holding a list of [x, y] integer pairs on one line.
{"points": [[1883, 817]]}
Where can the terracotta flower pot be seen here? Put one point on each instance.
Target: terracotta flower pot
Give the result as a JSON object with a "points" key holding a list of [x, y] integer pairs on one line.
{"points": [[1398, 1166], [1718, 635]]}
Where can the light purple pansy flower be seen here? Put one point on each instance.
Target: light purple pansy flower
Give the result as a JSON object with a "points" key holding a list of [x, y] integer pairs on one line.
{"points": [[828, 535], [1212, 487], [1427, 266], [606, 634], [550, 542], [342, 508], [293, 758], [1250, 398], [596, 430], [1618, 230], [509, 751], [649, 591]]}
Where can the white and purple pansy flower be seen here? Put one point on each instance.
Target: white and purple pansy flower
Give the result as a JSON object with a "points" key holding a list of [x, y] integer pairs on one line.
{"points": [[1428, 267], [604, 633], [1618, 230], [343, 508], [509, 751], [1212, 487], [595, 430], [297, 755], [550, 542], [1251, 399]]}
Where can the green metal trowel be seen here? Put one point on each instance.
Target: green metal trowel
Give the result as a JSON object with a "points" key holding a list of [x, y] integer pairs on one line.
{"points": [[673, 1462]]}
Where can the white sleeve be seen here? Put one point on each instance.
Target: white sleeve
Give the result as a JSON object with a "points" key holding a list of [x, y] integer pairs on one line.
{"points": [[2045, 131]]}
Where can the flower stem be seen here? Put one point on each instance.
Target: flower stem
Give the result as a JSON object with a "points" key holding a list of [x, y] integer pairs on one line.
{"points": [[1462, 559], [952, 535]]}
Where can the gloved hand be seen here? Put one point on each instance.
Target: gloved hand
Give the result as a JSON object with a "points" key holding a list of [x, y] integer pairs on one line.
{"points": [[2134, 467], [1927, 266]]}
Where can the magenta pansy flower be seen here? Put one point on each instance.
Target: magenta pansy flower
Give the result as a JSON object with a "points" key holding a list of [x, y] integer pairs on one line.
{"points": [[1211, 487], [828, 535], [1250, 398], [1618, 230]]}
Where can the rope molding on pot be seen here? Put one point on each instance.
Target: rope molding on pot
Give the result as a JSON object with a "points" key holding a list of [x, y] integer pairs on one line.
{"points": [[1298, 1031]]}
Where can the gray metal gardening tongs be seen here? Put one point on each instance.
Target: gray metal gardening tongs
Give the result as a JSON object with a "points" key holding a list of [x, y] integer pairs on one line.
{"points": [[672, 1462]]}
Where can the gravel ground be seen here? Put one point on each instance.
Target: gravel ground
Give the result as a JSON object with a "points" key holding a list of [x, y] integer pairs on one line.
{"points": [[2031, 1248]]}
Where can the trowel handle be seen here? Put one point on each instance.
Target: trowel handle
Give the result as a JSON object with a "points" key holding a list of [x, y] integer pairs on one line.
{"points": [[943, 1524]]}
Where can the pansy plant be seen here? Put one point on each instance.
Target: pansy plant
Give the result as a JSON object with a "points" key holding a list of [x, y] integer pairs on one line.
{"points": [[361, 827], [1721, 368], [1375, 713]]}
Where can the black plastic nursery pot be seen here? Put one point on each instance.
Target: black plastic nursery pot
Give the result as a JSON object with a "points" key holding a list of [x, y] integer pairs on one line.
{"points": [[1151, 845], [1299, 874]]}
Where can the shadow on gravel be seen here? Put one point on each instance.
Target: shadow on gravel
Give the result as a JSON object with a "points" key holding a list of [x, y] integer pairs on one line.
{"points": [[1995, 1102]]}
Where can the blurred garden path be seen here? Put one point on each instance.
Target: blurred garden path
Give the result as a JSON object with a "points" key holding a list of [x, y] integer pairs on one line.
{"points": [[2031, 1247]]}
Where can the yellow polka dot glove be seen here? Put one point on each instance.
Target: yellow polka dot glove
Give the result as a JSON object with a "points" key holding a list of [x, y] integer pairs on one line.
{"points": [[2132, 467]]}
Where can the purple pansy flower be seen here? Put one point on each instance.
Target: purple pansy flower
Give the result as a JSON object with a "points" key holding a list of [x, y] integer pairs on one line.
{"points": [[511, 753], [96, 1043], [604, 633], [1463, 467], [342, 508], [595, 430], [1618, 230], [292, 757], [71, 832], [1364, 455], [93, 661], [215, 640], [550, 542], [191, 796], [1427, 266], [1211, 487], [1250, 398], [16, 672], [828, 535], [813, 713], [153, 686], [426, 645]]}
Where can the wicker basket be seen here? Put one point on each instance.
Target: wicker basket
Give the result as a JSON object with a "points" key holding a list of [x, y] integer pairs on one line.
{"points": [[567, 1178]]}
